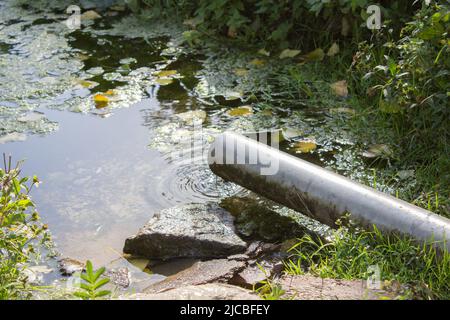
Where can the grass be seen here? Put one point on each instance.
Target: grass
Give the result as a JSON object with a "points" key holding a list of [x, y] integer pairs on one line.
{"points": [[423, 271]]}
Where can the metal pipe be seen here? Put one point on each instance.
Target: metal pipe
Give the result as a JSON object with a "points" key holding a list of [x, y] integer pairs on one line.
{"points": [[318, 192]]}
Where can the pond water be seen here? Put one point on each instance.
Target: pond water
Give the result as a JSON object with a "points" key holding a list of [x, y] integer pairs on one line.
{"points": [[108, 116]]}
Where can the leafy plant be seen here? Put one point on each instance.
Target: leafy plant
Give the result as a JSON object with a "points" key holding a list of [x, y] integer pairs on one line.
{"points": [[92, 284], [21, 232]]}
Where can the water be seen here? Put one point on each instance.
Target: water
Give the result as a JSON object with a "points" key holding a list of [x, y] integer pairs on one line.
{"points": [[105, 170]]}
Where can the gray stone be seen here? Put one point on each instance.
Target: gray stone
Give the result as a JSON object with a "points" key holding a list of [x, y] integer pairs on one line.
{"points": [[218, 270], [210, 291], [188, 231], [119, 277]]}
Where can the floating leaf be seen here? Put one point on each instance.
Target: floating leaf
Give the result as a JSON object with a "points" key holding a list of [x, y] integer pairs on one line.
{"points": [[111, 92], [340, 88], [241, 72], [233, 95], [264, 52], [258, 62], [289, 53], [378, 151], [90, 15], [315, 55], [166, 73], [305, 146], [240, 111], [87, 83], [334, 50], [290, 133], [127, 60], [164, 81], [190, 117], [100, 100]]}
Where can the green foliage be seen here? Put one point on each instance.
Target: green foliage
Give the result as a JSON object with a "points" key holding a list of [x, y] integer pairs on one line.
{"points": [[351, 251], [407, 83], [92, 283], [279, 23], [21, 232]]}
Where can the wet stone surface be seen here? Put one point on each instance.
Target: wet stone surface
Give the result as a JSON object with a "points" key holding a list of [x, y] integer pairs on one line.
{"points": [[194, 230]]}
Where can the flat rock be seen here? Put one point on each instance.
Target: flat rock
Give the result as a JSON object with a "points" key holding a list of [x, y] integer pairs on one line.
{"points": [[218, 270], [307, 287], [210, 291], [188, 231]]}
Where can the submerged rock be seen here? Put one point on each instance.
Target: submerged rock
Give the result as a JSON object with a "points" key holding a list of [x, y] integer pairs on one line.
{"points": [[188, 231], [210, 291], [218, 270]]}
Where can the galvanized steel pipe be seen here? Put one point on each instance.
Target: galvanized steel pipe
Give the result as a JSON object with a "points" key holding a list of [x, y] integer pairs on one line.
{"points": [[318, 192]]}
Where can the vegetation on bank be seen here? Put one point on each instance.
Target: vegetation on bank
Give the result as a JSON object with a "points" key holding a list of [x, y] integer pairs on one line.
{"points": [[413, 270], [22, 234]]}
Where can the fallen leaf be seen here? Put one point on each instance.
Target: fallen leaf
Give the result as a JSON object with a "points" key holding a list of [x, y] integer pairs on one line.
{"points": [[233, 95], [378, 151], [334, 50], [117, 8], [305, 146], [289, 53], [343, 110], [100, 100], [232, 32], [241, 72], [87, 83], [340, 88], [315, 55], [258, 62], [264, 52], [240, 111], [290, 133], [111, 92], [164, 81], [166, 73], [90, 15], [190, 117]]}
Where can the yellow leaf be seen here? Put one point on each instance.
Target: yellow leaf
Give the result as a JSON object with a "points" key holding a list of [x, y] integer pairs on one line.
{"points": [[289, 53], [90, 15], [305, 146], [334, 50], [340, 88], [87, 83], [166, 73], [264, 52], [111, 92], [240, 111], [100, 101], [258, 62], [241, 72], [315, 55], [164, 81]]}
